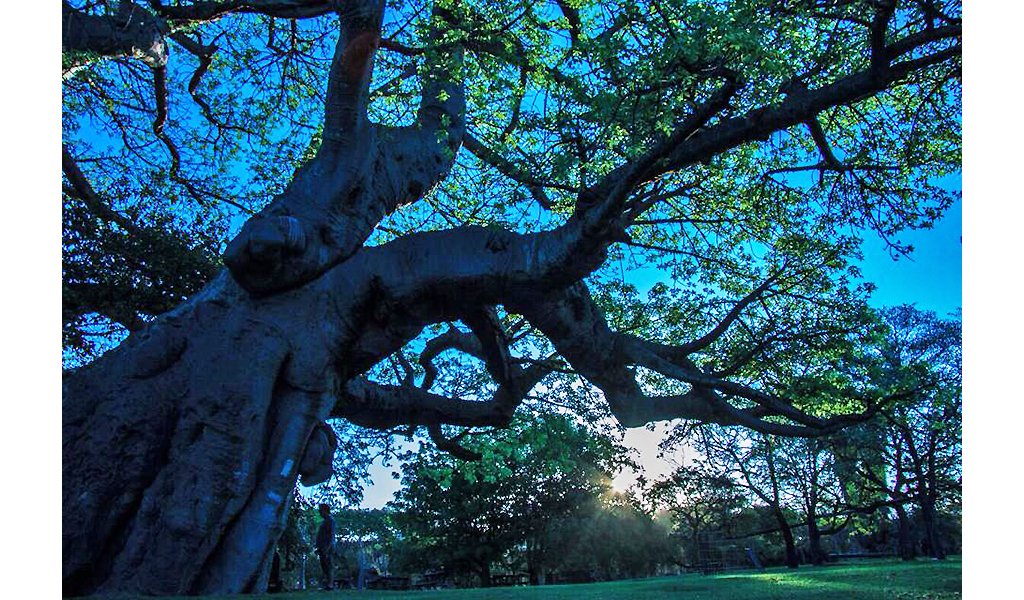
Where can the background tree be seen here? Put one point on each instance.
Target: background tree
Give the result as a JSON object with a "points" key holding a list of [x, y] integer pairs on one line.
{"points": [[809, 466], [912, 453], [754, 464], [465, 516], [701, 500], [371, 173], [617, 539]]}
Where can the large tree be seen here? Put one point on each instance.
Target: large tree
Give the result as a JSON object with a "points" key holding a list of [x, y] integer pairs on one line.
{"points": [[377, 171], [464, 516], [911, 454]]}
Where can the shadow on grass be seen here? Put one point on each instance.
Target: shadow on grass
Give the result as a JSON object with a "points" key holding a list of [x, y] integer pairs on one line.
{"points": [[867, 580]]}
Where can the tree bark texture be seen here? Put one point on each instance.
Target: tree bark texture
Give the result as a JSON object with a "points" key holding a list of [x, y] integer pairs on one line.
{"points": [[933, 539]]}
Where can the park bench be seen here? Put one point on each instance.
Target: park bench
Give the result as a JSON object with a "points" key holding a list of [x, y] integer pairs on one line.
{"points": [[711, 567], [837, 556], [388, 582], [510, 579], [430, 581]]}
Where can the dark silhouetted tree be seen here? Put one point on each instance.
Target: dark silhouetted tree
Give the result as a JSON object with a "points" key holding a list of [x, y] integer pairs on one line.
{"points": [[367, 172]]}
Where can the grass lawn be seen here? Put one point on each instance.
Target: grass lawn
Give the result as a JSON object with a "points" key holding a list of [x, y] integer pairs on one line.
{"points": [[857, 580]]}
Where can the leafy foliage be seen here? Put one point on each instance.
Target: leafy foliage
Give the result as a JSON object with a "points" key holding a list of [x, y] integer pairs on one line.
{"points": [[464, 516]]}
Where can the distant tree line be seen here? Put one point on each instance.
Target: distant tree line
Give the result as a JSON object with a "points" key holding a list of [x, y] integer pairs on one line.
{"points": [[538, 506], [891, 485]]}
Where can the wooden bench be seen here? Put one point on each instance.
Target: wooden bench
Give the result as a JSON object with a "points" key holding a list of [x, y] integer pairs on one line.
{"points": [[511, 579], [388, 583]]}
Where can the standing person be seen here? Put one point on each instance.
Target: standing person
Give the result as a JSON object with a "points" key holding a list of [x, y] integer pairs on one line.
{"points": [[274, 584], [325, 546]]}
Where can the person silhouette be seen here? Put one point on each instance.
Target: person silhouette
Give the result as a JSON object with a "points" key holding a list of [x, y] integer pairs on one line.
{"points": [[325, 546]]}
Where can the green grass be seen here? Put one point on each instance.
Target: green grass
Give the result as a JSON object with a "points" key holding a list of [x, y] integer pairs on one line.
{"points": [[860, 580]]}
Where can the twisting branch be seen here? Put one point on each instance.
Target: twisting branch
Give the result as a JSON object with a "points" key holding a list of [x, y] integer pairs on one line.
{"points": [[130, 31], [204, 53], [348, 85], [335, 201], [451, 445], [451, 339], [489, 343], [487, 328], [380, 406], [575, 325]]}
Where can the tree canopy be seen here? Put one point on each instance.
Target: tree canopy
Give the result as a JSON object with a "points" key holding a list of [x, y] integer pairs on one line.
{"points": [[626, 207], [463, 517]]}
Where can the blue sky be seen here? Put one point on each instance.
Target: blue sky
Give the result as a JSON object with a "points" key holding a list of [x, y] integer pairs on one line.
{"points": [[931, 277]]}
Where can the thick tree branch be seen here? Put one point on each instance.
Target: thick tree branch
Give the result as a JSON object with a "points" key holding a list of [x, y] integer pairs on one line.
{"points": [[575, 325], [131, 31], [419, 156], [487, 328], [380, 406], [348, 85], [360, 174], [209, 11], [694, 141], [797, 108]]}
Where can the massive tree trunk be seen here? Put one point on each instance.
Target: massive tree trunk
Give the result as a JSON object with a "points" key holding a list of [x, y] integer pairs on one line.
{"points": [[181, 446]]}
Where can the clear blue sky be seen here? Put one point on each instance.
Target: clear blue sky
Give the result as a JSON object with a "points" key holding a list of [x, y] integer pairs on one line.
{"points": [[931, 278]]}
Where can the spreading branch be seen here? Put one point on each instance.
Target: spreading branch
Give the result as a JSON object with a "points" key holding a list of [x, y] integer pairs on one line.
{"points": [[130, 31], [695, 140], [348, 85], [575, 325], [331, 205]]}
